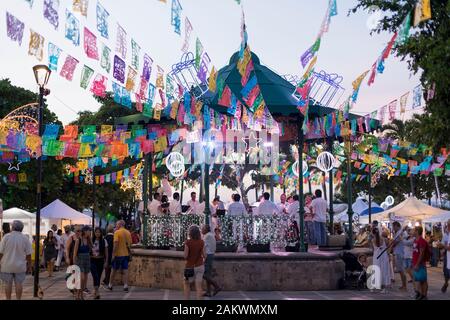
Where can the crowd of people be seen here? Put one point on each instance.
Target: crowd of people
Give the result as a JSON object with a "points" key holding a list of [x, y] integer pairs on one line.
{"points": [[315, 208], [407, 251], [103, 253], [96, 253]]}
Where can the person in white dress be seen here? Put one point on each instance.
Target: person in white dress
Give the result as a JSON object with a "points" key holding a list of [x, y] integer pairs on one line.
{"points": [[381, 259]]}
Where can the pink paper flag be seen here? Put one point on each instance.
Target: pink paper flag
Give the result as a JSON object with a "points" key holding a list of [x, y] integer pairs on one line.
{"points": [[99, 85], [90, 44], [69, 67]]}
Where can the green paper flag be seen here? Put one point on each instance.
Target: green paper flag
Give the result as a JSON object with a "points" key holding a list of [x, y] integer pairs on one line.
{"points": [[198, 53], [147, 110], [86, 75], [403, 33]]}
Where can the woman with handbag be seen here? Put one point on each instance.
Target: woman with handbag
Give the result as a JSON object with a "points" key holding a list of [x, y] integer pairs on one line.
{"points": [[194, 254]]}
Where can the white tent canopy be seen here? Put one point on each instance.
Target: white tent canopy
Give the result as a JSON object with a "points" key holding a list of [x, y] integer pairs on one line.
{"points": [[443, 217], [411, 209], [17, 214], [59, 210], [28, 219]]}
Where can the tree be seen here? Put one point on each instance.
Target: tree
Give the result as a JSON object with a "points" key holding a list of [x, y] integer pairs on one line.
{"points": [[426, 50], [23, 195]]}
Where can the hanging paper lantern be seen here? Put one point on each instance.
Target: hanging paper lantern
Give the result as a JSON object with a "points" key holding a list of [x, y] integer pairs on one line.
{"points": [[175, 164], [389, 201], [304, 168], [325, 161]]}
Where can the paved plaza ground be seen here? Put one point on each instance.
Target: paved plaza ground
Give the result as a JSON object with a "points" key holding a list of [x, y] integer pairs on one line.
{"points": [[55, 289]]}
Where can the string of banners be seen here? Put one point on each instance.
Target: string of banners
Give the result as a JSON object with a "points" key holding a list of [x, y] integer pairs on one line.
{"points": [[81, 173], [131, 69], [421, 12]]}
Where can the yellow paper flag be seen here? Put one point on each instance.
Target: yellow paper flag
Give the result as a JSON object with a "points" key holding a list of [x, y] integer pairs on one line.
{"points": [[212, 82], [310, 67], [357, 82], [157, 112], [174, 110], [22, 177], [422, 11]]}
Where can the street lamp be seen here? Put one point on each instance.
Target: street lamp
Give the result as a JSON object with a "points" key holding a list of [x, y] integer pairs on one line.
{"points": [[348, 145], [42, 74]]}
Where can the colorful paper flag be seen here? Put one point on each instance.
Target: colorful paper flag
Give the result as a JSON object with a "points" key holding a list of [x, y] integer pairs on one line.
{"points": [[187, 34], [403, 100], [51, 8], [53, 56], [102, 20], [198, 53], [86, 75], [72, 28], [121, 42], [147, 68], [14, 28], [392, 109], [159, 78], [36, 45], [176, 16], [105, 61], [131, 79], [119, 69], [69, 67], [422, 11], [98, 87], [90, 44], [135, 50], [80, 6], [417, 97]]}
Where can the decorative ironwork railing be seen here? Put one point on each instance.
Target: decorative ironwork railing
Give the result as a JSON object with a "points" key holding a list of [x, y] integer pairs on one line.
{"points": [[171, 231]]}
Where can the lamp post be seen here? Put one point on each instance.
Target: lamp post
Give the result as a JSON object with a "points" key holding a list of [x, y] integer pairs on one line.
{"points": [[349, 191], [301, 209], [42, 74], [370, 193], [145, 199], [94, 191], [330, 187]]}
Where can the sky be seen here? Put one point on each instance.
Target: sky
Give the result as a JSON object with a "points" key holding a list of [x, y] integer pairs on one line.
{"points": [[279, 32]]}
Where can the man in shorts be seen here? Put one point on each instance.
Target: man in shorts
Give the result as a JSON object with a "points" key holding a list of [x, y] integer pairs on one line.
{"points": [[419, 264], [15, 259], [121, 253]]}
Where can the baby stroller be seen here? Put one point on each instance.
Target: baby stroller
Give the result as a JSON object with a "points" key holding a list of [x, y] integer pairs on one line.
{"points": [[355, 273]]}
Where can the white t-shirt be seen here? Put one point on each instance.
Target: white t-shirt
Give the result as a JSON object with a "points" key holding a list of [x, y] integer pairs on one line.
{"points": [[267, 208], [58, 241], [319, 206], [174, 207], [64, 238], [283, 207], [408, 247], [153, 207], [14, 247], [210, 243], [236, 209], [194, 207]]}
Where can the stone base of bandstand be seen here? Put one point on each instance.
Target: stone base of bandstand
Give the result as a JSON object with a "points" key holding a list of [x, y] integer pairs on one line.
{"points": [[286, 271]]}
